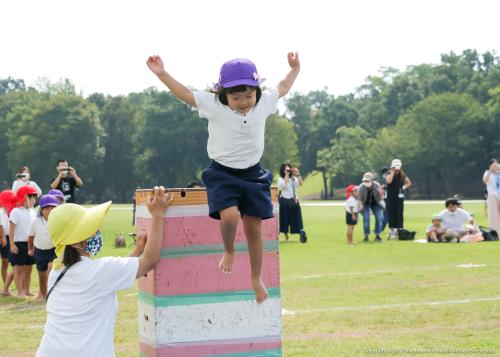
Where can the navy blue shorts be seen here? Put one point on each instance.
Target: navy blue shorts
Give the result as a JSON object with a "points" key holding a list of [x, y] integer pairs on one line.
{"points": [[349, 220], [22, 257], [248, 189], [43, 257], [5, 251]]}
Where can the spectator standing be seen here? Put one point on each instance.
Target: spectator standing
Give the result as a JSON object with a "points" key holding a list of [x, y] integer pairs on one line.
{"points": [[290, 212], [491, 179], [397, 182], [370, 198], [23, 178], [66, 181]]}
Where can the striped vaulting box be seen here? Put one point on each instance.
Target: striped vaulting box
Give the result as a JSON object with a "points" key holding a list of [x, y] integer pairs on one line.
{"points": [[187, 307]]}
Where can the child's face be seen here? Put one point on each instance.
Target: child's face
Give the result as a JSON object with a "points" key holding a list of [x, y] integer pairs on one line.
{"points": [[436, 222], [31, 200], [242, 102], [355, 193], [46, 211], [452, 208]]}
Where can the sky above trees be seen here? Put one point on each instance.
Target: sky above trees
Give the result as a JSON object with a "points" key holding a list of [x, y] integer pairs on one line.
{"points": [[102, 46]]}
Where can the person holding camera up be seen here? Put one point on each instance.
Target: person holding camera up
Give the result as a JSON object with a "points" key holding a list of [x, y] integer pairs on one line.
{"points": [[397, 183], [290, 212], [66, 181], [23, 178]]}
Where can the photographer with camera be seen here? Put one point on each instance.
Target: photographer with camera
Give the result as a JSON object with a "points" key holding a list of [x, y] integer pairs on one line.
{"points": [[290, 213], [23, 179], [491, 179], [397, 183], [66, 181]]}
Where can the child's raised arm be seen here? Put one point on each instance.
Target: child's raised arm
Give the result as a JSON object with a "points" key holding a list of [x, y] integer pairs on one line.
{"points": [[155, 64], [286, 84]]}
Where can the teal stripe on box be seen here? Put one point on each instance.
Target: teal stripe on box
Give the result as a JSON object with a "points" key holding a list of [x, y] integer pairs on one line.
{"points": [[264, 353], [198, 299], [210, 249]]}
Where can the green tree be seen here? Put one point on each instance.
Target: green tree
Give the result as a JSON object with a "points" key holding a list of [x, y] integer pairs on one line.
{"points": [[52, 127], [281, 143]]}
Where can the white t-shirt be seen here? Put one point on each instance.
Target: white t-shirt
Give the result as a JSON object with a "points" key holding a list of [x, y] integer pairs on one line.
{"points": [[40, 230], [81, 310], [236, 140], [22, 218], [351, 202], [18, 183], [4, 221], [287, 190], [493, 184], [455, 220]]}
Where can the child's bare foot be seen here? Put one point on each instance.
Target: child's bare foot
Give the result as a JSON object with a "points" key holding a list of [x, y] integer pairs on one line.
{"points": [[21, 296], [226, 263], [39, 298], [6, 293], [29, 293], [260, 290]]}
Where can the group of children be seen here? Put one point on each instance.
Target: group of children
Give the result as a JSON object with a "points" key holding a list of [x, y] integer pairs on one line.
{"points": [[24, 238]]}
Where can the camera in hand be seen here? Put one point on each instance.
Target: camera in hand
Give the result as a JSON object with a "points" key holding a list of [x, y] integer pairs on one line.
{"points": [[21, 176]]}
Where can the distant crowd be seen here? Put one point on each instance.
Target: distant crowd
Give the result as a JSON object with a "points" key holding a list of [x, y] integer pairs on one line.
{"points": [[24, 237], [386, 202]]}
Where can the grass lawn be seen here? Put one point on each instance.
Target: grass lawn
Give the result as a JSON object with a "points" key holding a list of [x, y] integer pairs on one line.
{"points": [[342, 300]]}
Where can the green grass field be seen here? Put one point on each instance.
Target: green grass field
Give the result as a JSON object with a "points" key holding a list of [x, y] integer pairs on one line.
{"points": [[341, 300]]}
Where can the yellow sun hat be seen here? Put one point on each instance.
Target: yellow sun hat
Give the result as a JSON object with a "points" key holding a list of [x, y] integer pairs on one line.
{"points": [[71, 223]]}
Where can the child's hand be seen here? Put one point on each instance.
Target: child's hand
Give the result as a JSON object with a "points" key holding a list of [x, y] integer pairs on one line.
{"points": [[158, 202], [155, 64], [141, 239], [293, 60], [354, 217], [3, 242], [14, 249], [31, 252]]}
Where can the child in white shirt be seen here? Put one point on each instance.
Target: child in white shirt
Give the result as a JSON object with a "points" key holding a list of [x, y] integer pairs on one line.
{"points": [[351, 215], [236, 184]]}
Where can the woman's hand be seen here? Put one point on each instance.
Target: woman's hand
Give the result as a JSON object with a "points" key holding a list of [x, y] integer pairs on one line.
{"points": [[158, 202], [155, 64], [14, 249]]}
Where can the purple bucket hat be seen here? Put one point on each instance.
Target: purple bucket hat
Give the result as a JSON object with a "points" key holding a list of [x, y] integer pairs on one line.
{"points": [[237, 72], [48, 200]]}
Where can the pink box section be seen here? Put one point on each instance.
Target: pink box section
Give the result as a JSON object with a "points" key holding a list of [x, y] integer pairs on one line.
{"points": [[201, 230], [170, 275], [205, 350]]}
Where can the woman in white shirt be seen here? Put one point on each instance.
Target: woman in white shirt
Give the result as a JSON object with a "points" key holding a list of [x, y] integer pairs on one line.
{"points": [[491, 179], [290, 212], [23, 178], [82, 302]]}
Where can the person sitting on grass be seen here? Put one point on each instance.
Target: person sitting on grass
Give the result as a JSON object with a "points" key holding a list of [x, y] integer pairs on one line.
{"points": [[435, 231], [82, 298], [351, 215], [454, 223]]}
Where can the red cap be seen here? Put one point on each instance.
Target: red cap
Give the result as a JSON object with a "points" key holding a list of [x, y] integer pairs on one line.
{"points": [[8, 200], [24, 191]]}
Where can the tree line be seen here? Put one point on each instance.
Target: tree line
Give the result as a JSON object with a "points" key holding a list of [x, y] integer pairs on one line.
{"points": [[442, 120]]}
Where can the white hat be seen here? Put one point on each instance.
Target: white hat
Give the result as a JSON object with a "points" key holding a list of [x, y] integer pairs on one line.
{"points": [[367, 177], [396, 163]]}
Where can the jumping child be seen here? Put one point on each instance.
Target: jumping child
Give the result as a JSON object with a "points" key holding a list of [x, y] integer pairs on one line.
{"points": [[237, 186], [351, 215], [20, 222], [40, 245]]}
